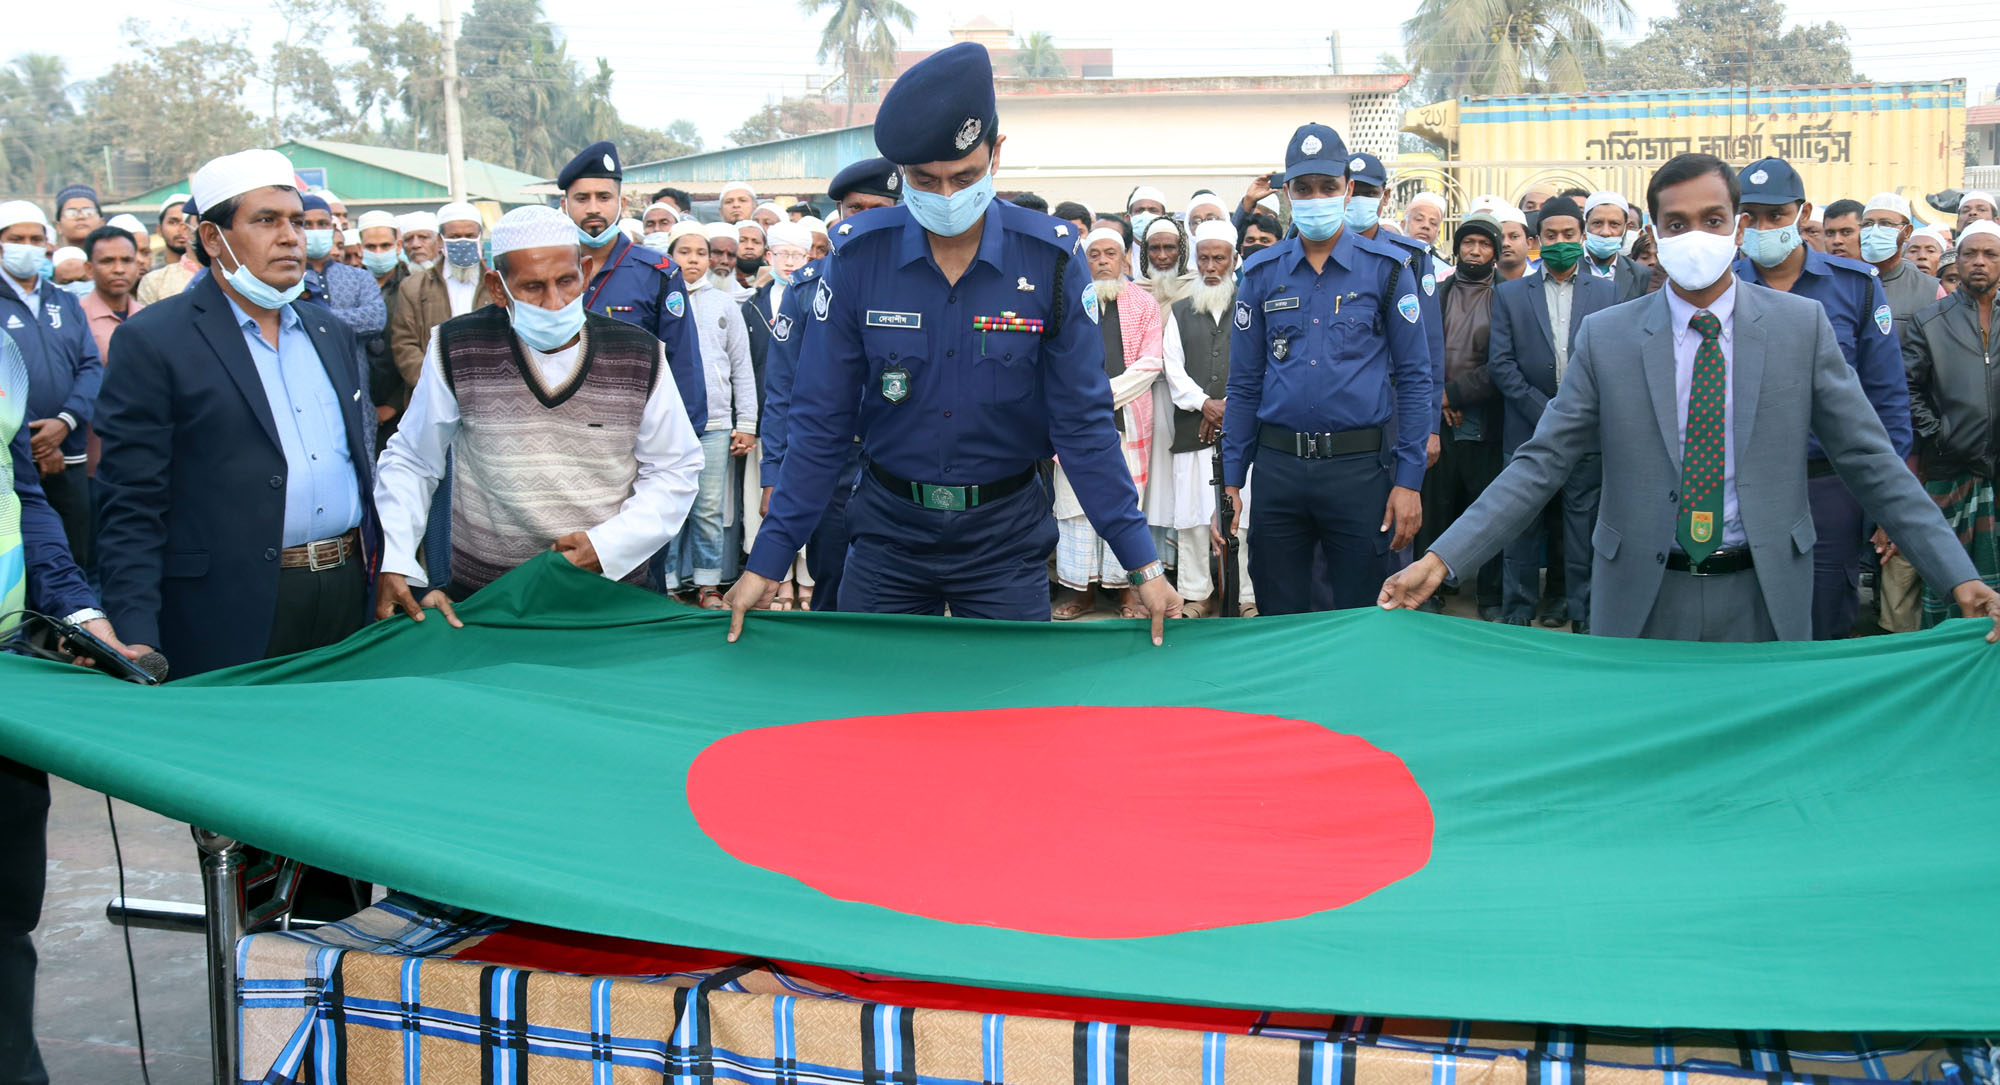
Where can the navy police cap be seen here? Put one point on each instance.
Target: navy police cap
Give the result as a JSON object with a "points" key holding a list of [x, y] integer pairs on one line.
{"points": [[1770, 181], [600, 159], [873, 176], [1367, 169], [940, 109], [1315, 148]]}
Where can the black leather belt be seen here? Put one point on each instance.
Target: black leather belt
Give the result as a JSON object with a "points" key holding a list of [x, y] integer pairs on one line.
{"points": [[1716, 564], [1319, 446], [1818, 468], [951, 498]]}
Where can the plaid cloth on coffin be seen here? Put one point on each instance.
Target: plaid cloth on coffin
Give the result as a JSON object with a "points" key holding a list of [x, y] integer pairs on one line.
{"points": [[404, 994]]}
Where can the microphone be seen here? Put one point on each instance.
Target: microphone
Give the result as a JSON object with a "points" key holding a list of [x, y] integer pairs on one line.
{"points": [[148, 670]]}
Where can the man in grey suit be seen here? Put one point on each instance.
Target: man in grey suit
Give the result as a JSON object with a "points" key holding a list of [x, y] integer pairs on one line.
{"points": [[1699, 400], [1536, 320]]}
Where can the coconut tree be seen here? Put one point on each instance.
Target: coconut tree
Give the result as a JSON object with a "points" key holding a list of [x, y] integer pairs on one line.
{"points": [[1036, 57], [1511, 46], [858, 34]]}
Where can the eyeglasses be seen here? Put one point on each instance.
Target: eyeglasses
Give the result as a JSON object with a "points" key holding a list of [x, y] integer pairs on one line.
{"points": [[79, 212]]}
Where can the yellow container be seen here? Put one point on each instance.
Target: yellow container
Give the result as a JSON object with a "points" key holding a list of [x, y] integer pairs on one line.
{"points": [[1848, 142]]}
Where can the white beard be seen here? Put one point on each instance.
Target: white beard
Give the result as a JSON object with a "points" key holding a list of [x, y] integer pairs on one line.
{"points": [[1214, 301], [463, 274], [1109, 289], [722, 280]]}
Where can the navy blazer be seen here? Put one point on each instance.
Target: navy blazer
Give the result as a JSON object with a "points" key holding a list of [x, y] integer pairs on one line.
{"points": [[194, 478], [758, 313], [1521, 346]]}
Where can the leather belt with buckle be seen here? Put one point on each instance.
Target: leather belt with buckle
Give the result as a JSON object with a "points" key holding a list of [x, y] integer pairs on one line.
{"points": [[1320, 446], [1716, 564], [951, 498], [322, 554]]}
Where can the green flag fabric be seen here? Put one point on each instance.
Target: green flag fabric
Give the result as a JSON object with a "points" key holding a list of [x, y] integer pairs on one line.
{"points": [[1364, 812]]}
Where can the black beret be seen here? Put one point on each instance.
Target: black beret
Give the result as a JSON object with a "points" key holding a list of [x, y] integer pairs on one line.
{"points": [[600, 159], [1559, 207], [940, 109], [874, 176]]}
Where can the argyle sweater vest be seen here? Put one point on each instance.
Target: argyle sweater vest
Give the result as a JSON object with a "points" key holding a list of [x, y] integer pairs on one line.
{"points": [[532, 464], [1205, 345]]}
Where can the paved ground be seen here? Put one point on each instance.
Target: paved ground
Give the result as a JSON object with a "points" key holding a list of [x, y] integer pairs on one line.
{"points": [[84, 1011]]}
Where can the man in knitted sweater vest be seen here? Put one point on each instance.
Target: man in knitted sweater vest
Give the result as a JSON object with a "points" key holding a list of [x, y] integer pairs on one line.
{"points": [[566, 431]]}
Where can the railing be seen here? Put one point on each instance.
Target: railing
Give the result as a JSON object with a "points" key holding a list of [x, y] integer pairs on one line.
{"points": [[1986, 178]]}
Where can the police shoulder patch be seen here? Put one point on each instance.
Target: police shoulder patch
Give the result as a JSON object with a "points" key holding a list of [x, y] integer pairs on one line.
{"points": [[822, 300], [1430, 283], [1884, 319], [1243, 316], [1090, 301], [676, 302], [1407, 305], [781, 328]]}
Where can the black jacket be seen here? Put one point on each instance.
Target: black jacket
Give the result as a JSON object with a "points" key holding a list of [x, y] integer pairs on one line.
{"points": [[1954, 387]]}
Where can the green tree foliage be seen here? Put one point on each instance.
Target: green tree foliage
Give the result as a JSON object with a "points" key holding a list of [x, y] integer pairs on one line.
{"points": [[858, 35], [40, 137], [177, 103], [1511, 46], [786, 117], [1036, 57], [1729, 43]]}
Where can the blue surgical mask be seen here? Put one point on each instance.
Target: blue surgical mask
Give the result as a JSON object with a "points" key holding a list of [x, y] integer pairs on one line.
{"points": [[79, 287], [461, 251], [381, 263], [318, 244], [1141, 220], [255, 290], [22, 261], [1604, 248], [545, 330], [1879, 242], [598, 241], [1319, 219], [950, 216], [657, 242], [1363, 212], [1768, 248]]}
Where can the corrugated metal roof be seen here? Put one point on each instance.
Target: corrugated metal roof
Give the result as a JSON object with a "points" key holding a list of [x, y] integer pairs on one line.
{"points": [[483, 180]]}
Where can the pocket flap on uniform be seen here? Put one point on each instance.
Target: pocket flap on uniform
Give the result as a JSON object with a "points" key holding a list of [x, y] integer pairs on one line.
{"points": [[1804, 535], [186, 564], [1605, 539]]}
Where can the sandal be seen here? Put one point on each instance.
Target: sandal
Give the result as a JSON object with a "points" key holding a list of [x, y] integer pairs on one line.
{"points": [[1072, 608], [804, 598], [1129, 606], [782, 600], [710, 598], [1247, 610], [1195, 608]]}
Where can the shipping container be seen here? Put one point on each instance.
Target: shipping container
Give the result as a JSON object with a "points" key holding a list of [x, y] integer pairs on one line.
{"points": [[1848, 142]]}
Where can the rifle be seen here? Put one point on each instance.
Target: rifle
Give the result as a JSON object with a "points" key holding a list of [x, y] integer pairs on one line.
{"points": [[1227, 587]]}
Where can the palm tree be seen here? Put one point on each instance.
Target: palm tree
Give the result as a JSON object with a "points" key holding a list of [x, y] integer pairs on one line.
{"points": [[858, 33], [35, 111], [1036, 57], [1511, 46]]}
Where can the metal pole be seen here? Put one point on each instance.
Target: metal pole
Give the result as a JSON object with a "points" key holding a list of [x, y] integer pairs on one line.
{"points": [[454, 137], [222, 891]]}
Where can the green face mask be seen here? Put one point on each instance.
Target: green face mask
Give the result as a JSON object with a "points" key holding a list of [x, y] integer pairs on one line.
{"points": [[1561, 255]]}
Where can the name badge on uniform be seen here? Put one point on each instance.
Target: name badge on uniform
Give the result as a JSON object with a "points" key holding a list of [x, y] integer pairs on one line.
{"points": [[1276, 304], [896, 384], [877, 318], [1281, 347]]}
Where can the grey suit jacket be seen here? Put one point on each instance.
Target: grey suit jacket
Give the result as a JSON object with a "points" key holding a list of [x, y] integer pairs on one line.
{"points": [[1619, 399]]}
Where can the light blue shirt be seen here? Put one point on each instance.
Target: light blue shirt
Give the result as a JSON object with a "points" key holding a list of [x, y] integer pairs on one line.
{"points": [[1686, 342], [322, 496]]}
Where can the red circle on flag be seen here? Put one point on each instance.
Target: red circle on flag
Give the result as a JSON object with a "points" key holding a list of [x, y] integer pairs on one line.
{"points": [[1084, 821]]}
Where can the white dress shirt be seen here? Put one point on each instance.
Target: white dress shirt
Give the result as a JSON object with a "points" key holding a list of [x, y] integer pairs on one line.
{"points": [[460, 294], [1686, 342], [667, 449]]}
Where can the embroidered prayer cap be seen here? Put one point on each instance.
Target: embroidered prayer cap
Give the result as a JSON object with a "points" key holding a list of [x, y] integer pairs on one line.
{"points": [[369, 220], [535, 226], [460, 212], [232, 175]]}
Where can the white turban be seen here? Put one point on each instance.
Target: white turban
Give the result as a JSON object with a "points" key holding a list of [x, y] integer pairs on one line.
{"points": [[1976, 228], [1103, 233], [15, 212], [128, 223], [737, 186], [813, 225], [173, 201], [67, 253], [232, 175], [460, 212], [369, 220], [1601, 197], [1978, 195], [1888, 201], [1161, 225], [536, 226], [772, 208], [1146, 192], [787, 234], [1431, 198], [720, 231], [1216, 230], [689, 228], [1507, 212], [416, 221], [1206, 199], [662, 205], [750, 224], [1934, 233]]}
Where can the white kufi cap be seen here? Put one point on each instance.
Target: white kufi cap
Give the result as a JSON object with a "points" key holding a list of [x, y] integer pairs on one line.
{"points": [[417, 221], [785, 232], [369, 220], [16, 212], [128, 223], [1888, 201], [460, 212], [232, 175], [536, 226], [1216, 230], [67, 253]]}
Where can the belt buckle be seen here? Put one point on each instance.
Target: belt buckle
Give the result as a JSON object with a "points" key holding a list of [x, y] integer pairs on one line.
{"points": [[313, 561], [943, 498], [1308, 446]]}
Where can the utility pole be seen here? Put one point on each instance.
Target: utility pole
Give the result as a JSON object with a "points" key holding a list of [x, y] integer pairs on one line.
{"points": [[454, 134]]}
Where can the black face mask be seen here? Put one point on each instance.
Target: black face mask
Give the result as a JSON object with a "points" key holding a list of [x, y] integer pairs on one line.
{"points": [[1474, 273], [1252, 250], [747, 266]]}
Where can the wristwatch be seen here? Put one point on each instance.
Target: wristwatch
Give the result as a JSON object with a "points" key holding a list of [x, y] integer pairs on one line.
{"points": [[1150, 571], [87, 614]]}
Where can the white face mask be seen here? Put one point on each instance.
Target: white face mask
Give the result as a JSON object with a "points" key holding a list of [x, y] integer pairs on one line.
{"points": [[1696, 259]]}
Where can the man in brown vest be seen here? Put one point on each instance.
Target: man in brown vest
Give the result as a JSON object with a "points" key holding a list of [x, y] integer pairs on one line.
{"points": [[1197, 371], [566, 429]]}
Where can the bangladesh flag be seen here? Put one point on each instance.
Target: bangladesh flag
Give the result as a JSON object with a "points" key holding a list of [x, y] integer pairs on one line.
{"points": [[1380, 813]]}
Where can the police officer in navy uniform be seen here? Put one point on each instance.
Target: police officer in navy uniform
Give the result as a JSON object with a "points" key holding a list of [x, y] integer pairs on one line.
{"points": [[633, 284], [1328, 351], [1774, 203], [858, 187], [950, 512], [1368, 184]]}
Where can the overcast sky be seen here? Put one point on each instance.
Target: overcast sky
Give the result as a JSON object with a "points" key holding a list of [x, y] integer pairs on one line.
{"points": [[716, 76]]}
